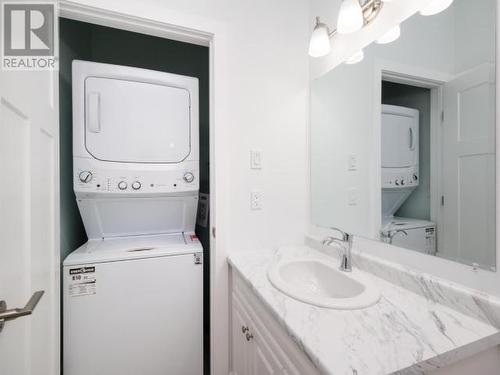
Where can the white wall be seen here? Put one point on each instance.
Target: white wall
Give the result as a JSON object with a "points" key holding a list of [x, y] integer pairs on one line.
{"points": [[340, 127], [260, 101]]}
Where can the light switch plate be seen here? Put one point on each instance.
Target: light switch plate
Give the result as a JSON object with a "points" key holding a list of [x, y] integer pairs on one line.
{"points": [[256, 159], [352, 162]]}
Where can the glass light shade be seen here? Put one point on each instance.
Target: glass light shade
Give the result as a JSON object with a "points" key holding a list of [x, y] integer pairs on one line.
{"points": [[350, 17], [356, 58], [319, 44], [435, 6], [390, 36]]}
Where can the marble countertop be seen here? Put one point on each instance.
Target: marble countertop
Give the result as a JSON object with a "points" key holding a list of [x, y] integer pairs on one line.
{"points": [[404, 333]]}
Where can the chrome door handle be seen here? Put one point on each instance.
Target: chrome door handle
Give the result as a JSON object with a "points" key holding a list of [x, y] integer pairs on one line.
{"points": [[12, 314]]}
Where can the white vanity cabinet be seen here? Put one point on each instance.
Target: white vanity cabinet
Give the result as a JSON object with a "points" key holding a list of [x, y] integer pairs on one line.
{"points": [[258, 345]]}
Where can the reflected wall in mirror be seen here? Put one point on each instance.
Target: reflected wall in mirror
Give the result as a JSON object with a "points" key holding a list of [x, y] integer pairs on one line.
{"points": [[403, 143]]}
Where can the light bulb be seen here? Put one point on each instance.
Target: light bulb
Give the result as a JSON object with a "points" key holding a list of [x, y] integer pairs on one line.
{"points": [[435, 6], [356, 58], [390, 36], [319, 44], [350, 17]]}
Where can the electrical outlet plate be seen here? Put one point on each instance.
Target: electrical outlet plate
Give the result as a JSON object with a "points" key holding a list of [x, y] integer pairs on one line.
{"points": [[352, 162], [256, 200], [203, 210], [352, 199]]}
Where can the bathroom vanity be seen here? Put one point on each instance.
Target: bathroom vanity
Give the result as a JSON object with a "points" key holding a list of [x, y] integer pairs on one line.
{"points": [[419, 325]]}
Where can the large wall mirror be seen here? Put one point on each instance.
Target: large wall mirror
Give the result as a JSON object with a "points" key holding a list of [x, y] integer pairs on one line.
{"points": [[403, 142]]}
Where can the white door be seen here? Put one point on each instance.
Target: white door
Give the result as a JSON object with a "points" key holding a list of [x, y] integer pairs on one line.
{"points": [[29, 226], [126, 114], [467, 231], [264, 360]]}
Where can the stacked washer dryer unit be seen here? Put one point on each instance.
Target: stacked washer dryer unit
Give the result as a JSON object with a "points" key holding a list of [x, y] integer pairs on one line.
{"points": [[133, 292], [400, 177]]}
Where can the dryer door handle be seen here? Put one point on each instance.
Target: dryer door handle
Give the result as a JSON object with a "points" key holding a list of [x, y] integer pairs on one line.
{"points": [[411, 139], [93, 110]]}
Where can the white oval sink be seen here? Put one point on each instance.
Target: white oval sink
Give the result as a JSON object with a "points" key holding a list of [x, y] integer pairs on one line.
{"points": [[319, 282]]}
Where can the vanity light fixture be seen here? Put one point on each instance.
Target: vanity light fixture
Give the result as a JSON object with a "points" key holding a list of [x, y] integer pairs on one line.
{"points": [[350, 17], [320, 40], [353, 16], [356, 58], [435, 6], [390, 36]]}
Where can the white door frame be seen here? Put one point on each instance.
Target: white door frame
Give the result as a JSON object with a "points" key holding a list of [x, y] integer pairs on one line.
{"points": [[206, 32], [414, 76]]}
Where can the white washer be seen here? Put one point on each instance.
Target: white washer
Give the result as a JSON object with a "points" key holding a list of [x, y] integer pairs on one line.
{"points": [[134, 306], [414, 234], [133, 294]]}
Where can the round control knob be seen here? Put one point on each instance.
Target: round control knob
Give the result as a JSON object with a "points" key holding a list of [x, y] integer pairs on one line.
{"points": [[402, 182], [85, 176], [188, 177], [415, 177], [122, 185], [396, 182], [136, 185]]}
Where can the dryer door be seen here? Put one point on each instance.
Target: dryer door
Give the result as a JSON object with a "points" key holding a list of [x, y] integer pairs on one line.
{"points": [[136, 122], [399, 137]]}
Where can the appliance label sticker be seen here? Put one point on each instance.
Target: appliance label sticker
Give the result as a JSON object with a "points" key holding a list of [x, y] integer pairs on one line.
{"points": [[83, 282]]}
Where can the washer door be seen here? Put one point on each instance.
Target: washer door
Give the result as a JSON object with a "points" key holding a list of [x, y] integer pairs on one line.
{"points": [[136, 122]]}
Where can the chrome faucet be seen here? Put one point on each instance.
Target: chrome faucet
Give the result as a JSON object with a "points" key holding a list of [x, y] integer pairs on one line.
{"points": [[388, 235], [346, 245]]}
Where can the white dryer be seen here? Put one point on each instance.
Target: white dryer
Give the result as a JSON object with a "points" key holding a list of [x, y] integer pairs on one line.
{"points": [[133, 294], [400, 157]]}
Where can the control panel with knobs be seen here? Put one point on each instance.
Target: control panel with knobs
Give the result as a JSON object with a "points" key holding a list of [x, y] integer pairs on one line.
{"points": [[398, 179], [122, 185], [188, 177], [85, 176], [89, 178]]}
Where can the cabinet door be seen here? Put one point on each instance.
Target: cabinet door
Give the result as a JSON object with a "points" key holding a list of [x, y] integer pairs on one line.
{"points": [[263, 361], [240, 347]]}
